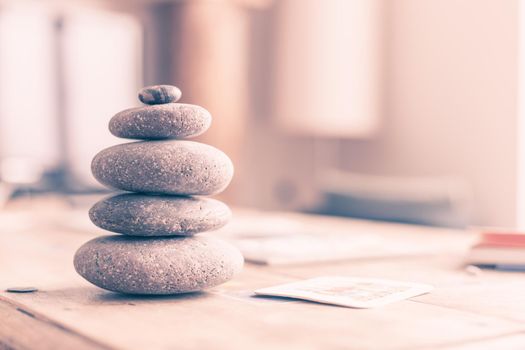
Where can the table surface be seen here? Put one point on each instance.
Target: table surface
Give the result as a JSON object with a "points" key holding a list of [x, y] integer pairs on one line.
{"points": [[466, 310]]}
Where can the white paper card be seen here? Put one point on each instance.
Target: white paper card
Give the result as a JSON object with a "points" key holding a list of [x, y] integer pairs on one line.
{"points": [[352, 292], [300, 248]]}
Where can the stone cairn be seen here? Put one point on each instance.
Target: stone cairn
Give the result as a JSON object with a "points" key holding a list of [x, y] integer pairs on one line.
{"points": [[159, 252]]}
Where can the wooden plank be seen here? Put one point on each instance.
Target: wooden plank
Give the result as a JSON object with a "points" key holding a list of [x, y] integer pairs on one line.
{"points": [[228, 316], [494, 293], [514, 341], [498, 294], [232, 319], [24, 329]]}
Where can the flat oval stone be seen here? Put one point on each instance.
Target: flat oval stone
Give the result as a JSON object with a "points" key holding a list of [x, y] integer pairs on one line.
{"points": [[158, 94], [141, 215], [157, 266], [167, 121], [164, 167]]}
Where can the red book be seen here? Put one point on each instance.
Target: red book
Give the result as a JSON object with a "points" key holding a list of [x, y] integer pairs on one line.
{"points": [[496, 248], [503, 239]]}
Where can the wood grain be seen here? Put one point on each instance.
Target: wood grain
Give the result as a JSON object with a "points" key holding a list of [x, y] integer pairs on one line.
{"points": [[463, 311], [25, 329]]}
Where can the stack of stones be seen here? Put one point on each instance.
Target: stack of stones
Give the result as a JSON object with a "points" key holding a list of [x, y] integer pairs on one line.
{"points": [[157, 252]]}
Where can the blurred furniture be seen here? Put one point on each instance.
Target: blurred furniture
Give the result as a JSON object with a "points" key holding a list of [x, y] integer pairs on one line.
{"points": [[210, 57], [210, 52], [418, 200], [467, 310], [63, 78], [77, 77]]}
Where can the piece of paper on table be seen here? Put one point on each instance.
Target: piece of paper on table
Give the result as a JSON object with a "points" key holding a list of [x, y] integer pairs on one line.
{"points": [[352, 292], [308, 248]]}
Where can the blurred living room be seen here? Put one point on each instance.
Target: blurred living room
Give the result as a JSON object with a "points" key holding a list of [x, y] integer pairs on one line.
{"points": [[378, 149]]}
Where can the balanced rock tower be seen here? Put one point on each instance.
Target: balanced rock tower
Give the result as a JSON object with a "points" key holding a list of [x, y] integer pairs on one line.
{"points": [[159, 251]]}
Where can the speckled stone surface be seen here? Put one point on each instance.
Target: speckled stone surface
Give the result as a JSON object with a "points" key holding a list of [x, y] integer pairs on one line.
{"points": [[171, 120], [141, 215], [157, 266], [158, 94], [164, 167]]}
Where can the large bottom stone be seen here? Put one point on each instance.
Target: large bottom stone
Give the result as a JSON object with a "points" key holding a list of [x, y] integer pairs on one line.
{"points": [[142, 215], [157, 266]]}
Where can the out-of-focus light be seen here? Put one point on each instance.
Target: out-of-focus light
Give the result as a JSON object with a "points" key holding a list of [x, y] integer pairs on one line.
{"points": [[328, 67], [27, 94]]}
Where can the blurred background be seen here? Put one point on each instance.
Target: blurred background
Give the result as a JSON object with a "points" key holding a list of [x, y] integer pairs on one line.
{"points": [[406, 110]]}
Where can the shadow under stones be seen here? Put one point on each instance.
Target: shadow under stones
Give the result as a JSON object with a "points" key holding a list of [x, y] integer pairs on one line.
{"points": [[93, 295]]}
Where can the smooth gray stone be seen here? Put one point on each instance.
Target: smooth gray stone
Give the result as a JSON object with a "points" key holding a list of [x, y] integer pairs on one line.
{"points": [[158, 94], [164, 167], [142, 215], [167, 121], [139, 265]]}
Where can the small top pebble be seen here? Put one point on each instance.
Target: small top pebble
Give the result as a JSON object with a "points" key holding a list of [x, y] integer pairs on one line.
{"points": [[159, 94]]}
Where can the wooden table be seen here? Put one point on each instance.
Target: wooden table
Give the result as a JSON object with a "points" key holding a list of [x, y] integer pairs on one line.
{"points": [[465, 311]]}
